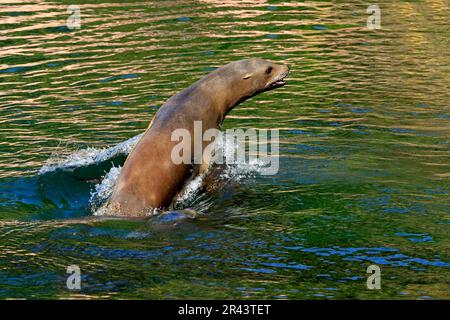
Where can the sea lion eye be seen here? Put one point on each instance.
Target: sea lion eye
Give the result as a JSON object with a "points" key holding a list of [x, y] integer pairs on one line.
{"points": [[269, 70]]}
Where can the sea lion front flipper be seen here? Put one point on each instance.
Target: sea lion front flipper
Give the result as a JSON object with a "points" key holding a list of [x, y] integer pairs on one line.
{"points": [[174, 219]]}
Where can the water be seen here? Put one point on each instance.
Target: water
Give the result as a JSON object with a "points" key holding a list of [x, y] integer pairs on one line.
{"points": [[364, 170]]}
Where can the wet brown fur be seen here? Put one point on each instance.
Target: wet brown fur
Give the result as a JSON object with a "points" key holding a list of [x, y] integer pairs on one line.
{"points": [[149, 179]]}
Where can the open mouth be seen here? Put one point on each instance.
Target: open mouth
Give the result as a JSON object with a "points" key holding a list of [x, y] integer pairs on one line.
{"points": [[279, 81]]}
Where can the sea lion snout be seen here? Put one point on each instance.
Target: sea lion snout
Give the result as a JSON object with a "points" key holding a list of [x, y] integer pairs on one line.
{"points": [[258, 75], [278, 80]]}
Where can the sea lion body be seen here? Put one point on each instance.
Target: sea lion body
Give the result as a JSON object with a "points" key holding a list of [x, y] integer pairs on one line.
{"points": [[149, 178]]}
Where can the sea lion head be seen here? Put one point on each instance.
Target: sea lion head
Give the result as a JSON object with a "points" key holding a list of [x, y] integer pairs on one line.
{"points": [[256, 75]]}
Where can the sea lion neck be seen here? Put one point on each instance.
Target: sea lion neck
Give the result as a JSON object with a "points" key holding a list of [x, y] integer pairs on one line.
{"points": [[217, 93], [223, 90]]}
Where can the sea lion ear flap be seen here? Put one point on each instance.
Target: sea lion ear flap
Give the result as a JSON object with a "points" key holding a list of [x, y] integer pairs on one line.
{"points": [[247, 76]]}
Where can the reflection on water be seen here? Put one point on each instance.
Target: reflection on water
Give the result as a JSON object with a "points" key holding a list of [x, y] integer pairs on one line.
{"points": [[365, 133]]}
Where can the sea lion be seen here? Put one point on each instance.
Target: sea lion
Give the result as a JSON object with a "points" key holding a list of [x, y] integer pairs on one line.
{"points": [[149, 178]]}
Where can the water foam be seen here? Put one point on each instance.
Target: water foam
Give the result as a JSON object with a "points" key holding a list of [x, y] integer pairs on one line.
{"points": [[88, 156], [103, 190], [190, 191]]}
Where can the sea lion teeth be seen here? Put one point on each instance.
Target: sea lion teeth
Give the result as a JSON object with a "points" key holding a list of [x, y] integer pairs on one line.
{"points": [[279, 81]]}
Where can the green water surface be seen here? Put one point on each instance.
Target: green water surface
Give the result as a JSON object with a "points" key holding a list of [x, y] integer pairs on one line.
{"points": [[364, 126]]}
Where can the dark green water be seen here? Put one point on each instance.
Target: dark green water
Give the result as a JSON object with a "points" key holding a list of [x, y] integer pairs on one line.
{"points": [[365, 149]]}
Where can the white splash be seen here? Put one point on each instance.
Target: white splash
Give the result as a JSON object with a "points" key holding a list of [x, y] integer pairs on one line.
{"points": [[237, 171], [240, 171], [191, 190], [88, 156], [103, 190]]}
